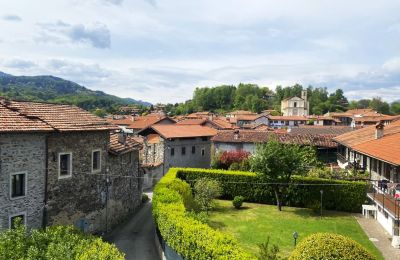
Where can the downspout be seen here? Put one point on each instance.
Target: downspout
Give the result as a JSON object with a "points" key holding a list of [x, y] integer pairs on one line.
{"points": [[46, 178]]}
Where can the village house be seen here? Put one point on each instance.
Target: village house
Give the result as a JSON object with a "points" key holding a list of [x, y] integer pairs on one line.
{"points": [[376, 149], [178, 145], [296, 106], [247, 140], [216, 123], [360, 117], [277, 122], [243, 120], [133, 124], [81, 172]]}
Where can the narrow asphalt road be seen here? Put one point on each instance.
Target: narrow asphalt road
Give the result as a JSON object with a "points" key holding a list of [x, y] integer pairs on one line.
{"points": [[136, 236]]}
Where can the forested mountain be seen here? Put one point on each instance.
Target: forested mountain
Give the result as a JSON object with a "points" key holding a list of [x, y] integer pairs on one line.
{"points": [[252, 97], [57, 90]]}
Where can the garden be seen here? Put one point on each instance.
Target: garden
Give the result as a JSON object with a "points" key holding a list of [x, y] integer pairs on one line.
{"points": [[278, 200]]}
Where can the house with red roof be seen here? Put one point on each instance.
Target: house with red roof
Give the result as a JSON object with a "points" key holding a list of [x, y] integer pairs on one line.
{"points": [[376, 150], [60, 164]]}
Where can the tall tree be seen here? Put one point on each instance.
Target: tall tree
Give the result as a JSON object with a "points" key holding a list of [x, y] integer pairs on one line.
{"points": [[276, 162]]}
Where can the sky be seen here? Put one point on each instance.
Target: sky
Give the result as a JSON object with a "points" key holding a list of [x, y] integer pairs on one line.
{"points": [[161, 50]]}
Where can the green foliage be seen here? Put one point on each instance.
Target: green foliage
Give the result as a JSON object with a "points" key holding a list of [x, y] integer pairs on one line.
{"points": [[56, 242], [185, 191], [330, 246], [327, 173], [340, 195], [57, 90], [268, 252], [206, 190], [188, 236], [237, 202], [276, 162]]}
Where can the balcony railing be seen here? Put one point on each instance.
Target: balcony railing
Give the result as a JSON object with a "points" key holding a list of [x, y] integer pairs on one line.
{"points": [[385, 200]]}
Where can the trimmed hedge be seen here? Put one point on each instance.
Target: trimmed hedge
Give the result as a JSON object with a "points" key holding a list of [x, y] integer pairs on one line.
{"points": [[337, 194], [187, 236], [329, 246]]}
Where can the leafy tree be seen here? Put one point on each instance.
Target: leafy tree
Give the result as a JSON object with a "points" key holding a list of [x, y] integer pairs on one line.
{"points": [[395, 108], [379, 105], [206, 190], [276, 162]]}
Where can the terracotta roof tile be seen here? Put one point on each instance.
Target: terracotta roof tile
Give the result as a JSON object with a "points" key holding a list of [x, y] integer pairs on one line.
{"points": [[119, 148], [318, 130], [182, 131], [58, 117], [139, 122]]}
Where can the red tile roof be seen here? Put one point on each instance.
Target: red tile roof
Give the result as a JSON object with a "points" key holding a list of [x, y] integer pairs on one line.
{"points": [[12, 121], [139, 122], [386, 148], [253, 136], [288, 118], [55, 116], [119, 148], [182, 131], [192, 121]]}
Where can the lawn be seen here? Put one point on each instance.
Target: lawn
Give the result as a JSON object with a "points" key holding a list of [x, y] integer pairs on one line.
{"points": [[252, 224]]}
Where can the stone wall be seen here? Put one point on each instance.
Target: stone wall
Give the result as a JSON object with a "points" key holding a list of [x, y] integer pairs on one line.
{"points": [[92, 201], [22, 153], [153, 153]]}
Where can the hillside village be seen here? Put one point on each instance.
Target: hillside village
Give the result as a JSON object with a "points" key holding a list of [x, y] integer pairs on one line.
{"points": [[61, 165]]}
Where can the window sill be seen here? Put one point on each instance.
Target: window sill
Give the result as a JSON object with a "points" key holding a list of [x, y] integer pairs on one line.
{"points": [[64, 176], [17, 198]]}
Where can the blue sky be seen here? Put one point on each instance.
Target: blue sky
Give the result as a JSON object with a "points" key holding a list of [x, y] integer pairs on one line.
{"points": [[160, 50]]}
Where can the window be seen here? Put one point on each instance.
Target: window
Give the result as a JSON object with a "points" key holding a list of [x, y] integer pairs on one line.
{"points": [[204, 138], [13, 219], [96, 161], [193, 149], [172, 151], [183, 150], [295, 104], [18, 184], [65, 165], [203, 152]]}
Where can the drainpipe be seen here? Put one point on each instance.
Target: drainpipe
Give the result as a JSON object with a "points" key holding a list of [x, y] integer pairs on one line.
{"points": [[46, 178]]}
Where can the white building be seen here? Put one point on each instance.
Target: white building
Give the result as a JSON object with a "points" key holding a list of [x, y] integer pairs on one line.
{"points": [[296, 106]]}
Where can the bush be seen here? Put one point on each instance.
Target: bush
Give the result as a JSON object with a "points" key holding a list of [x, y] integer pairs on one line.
{"points": [[184, 189], [56, 242], [145, 198], [206, 190], [341, 195], [267, 251], [330, 246], [226, 159], [188, 236], [237, 202]]}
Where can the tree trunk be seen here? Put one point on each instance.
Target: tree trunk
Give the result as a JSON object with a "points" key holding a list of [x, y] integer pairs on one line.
{"points": [[278, 199]]}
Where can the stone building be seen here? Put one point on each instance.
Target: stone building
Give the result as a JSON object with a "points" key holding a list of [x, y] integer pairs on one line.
{"points": [[92, 178], [178, 145], [22, 168], [296, 106]]}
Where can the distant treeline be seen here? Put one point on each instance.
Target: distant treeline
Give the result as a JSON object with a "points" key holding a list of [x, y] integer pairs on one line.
{"points": [[254, 98]]}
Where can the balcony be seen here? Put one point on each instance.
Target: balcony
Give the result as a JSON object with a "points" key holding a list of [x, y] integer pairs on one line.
{"points": [[386, 201]]}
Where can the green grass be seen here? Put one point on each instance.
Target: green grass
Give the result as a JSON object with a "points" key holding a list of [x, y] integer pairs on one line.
{"points": [[253, 223]]}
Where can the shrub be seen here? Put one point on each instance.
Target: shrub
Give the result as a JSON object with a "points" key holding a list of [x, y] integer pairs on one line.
{"points": [[145, 198], [206, 190], [341, 195], [56, 242], [237, 202], [234, 160], [184, 189], [188, 236], [329, 246], [268, 252]]}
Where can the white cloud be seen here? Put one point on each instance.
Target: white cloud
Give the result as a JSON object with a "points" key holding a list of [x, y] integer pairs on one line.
{"points": [[12, 17]]}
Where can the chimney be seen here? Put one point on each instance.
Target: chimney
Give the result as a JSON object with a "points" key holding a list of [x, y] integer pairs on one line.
{"points": [[236, 135], [379, 130], [133, 118], [122, 138]]}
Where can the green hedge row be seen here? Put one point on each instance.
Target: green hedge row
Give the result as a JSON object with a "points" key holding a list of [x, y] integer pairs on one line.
{"points": [[301, 192], [189, 237]]}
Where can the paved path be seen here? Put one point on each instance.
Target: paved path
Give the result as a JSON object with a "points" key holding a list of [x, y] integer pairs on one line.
{"points": [[379, 237], [136, 237]]}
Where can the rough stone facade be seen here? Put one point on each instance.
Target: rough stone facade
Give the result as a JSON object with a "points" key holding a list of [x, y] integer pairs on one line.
{"points": [[92, 201], [22, 153], [153, 152]]}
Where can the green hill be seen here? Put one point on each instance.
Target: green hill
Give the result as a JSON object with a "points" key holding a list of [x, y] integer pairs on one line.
{"points": [[57, 90]]}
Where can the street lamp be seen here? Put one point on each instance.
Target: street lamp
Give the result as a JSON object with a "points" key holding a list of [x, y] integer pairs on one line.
{"points": [[322, 192], [295, 236]]}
